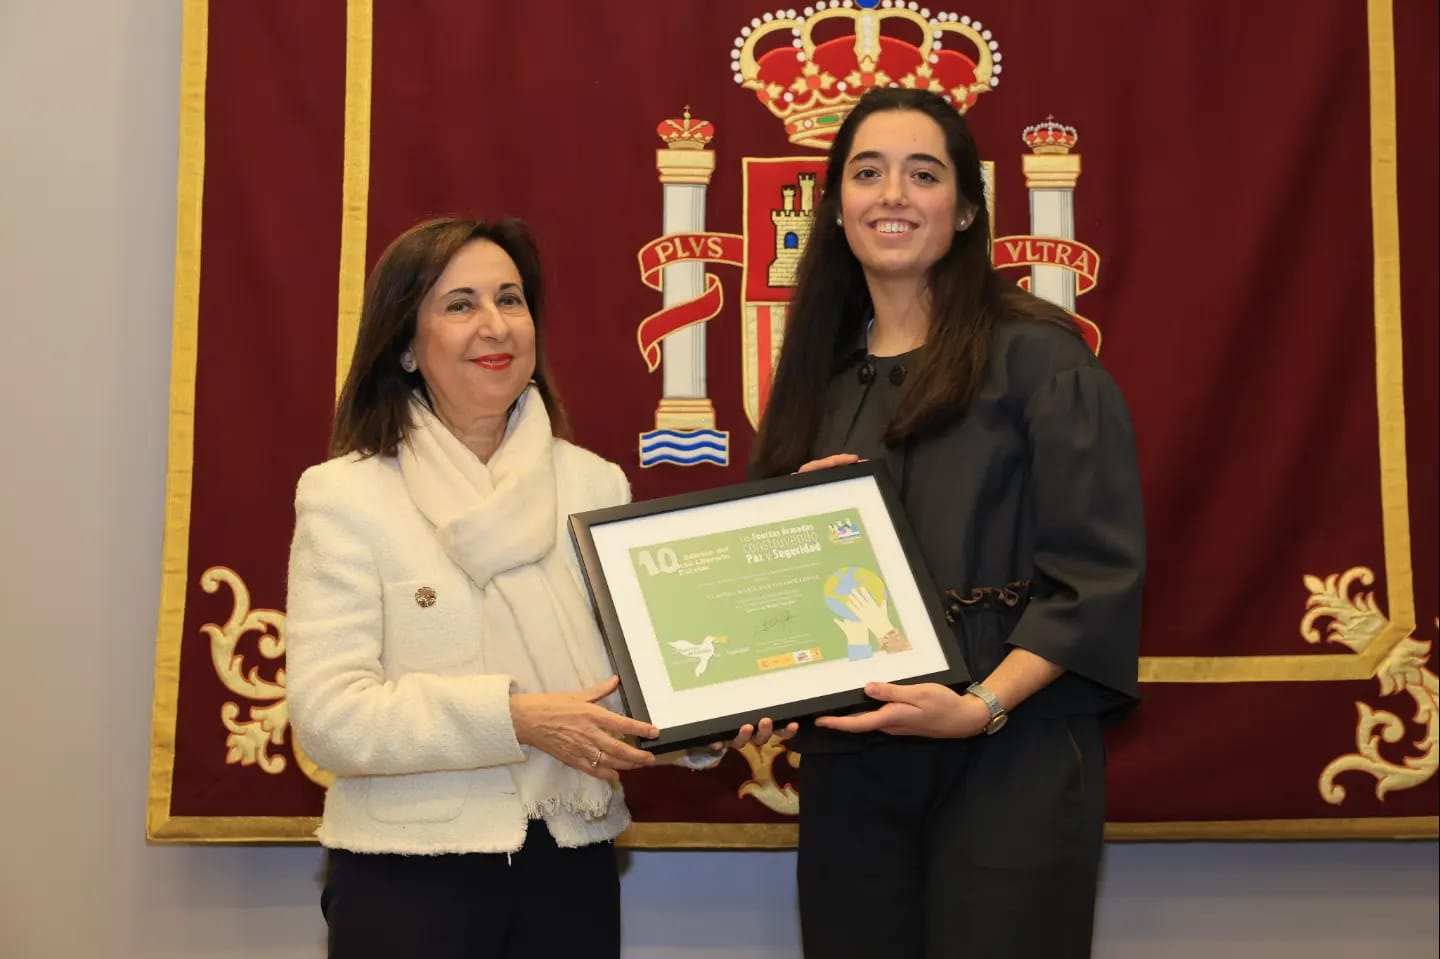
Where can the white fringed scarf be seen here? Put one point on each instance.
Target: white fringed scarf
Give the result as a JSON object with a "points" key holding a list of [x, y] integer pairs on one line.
{"points": [[498, 522]]}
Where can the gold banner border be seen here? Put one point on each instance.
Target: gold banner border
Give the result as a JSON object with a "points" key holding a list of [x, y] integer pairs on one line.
{"points": [[261, 830], [179, 468]]}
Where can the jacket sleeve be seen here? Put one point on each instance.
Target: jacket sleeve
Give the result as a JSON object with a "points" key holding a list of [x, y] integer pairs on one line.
{"points": [[348, 717], [1084, 614], [622, 486], [618, 495]]}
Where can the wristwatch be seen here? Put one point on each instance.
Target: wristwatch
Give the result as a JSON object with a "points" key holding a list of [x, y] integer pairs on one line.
{"points": [[998, 716]]}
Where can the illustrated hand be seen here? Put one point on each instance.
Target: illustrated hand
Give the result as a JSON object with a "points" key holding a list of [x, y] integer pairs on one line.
{"points": [[875, 616], [856, 632], [857, 639], [924, 709], [570, 727]]}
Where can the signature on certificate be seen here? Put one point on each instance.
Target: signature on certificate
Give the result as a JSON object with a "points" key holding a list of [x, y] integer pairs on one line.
{"points": [[778, 619]]}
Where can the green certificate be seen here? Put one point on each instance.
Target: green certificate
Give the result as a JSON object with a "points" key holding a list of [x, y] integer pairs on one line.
{"points": [[783, 595], [778, 598]]}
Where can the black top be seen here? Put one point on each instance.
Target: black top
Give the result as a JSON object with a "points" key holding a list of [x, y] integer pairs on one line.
{"points": [[1036, 483]]}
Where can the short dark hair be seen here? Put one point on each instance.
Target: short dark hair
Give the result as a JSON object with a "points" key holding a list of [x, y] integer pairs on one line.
{"points": [[826, 318], [373, 412]]}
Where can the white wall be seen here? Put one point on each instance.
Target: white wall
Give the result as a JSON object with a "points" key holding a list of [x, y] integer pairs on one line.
{"points": [[87, 172]]}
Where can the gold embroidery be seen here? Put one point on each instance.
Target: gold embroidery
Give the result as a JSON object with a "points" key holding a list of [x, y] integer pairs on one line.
{"points": [[267, 715], [781, 798], [1356, 621]]}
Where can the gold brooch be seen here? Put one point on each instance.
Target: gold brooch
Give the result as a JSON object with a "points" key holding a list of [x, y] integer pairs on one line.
{"points": [[425, 597]]}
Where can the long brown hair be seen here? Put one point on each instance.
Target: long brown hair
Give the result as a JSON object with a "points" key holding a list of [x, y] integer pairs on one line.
{"points": [[826, 318], [373, 412]]}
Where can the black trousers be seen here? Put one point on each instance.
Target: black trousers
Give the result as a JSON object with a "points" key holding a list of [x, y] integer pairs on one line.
{"points": [[540, 902], [954, 849]]}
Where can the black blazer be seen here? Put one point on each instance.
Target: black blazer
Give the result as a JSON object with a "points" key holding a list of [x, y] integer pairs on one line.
{"points": [[1034, 487]]}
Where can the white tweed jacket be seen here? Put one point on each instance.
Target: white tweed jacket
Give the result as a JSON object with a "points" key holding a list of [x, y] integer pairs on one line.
{"points": [[385, 681]]}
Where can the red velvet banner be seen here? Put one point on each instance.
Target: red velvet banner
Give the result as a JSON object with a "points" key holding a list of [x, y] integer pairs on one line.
{"points": [[1257, 179]]}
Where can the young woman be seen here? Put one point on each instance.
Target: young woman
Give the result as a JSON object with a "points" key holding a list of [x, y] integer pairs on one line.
{"points": [[967, 821]]}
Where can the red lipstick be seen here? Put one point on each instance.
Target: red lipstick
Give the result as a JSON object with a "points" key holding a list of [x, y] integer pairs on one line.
{"points": [[494, 361]]}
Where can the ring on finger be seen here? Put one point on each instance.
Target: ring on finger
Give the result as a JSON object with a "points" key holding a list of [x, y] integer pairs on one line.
{"points": [[599, 755]]}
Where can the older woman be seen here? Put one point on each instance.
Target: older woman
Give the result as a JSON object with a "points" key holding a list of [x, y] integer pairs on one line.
{"points": [[443, 662]]}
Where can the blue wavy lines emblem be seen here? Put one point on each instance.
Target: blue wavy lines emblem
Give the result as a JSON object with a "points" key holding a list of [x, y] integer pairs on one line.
{"points": [[685, 447]]}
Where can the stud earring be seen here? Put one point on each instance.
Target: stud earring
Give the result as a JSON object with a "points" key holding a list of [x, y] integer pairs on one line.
{"points": [[839, 221], [407, 362]]}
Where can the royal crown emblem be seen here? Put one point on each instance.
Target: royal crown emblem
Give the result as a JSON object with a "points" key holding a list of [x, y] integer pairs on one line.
{"points": [[809, 69], [685, 133], [1050, 137]]}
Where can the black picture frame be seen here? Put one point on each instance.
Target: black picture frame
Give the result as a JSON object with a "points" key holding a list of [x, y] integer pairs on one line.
{"points": [[600, 538]]}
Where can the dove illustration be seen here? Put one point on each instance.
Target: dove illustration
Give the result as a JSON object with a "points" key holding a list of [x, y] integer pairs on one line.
{"points": [[700, 652]]}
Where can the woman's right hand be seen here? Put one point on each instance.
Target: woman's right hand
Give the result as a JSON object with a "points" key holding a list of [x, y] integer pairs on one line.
{"points": [[570, 727], [825, 463]]}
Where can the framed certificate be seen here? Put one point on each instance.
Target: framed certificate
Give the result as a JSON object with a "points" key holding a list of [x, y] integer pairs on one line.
{"points": [[777, 598]]}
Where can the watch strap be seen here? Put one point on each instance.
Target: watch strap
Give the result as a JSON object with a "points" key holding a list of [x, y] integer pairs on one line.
{"points": [[997, 711]]}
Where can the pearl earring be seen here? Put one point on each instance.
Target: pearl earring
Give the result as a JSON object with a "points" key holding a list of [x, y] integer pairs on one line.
{"points": [[839, 221], [407, 362]]}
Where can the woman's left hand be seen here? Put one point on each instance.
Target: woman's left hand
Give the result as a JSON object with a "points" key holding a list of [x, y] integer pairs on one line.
{"points": [[924, 709]]}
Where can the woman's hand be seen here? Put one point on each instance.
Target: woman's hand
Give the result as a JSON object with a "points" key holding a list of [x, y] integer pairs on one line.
{"points": [[924, 709], [825, 463], [570, 727], [759, 734]]}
